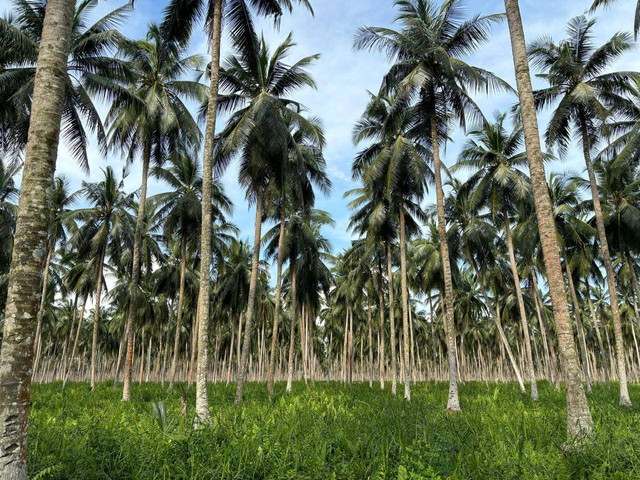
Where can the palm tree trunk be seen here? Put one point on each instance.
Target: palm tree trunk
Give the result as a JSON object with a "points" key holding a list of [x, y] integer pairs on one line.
{"points": [[453, 403], [294, 312], [381, 315], [96, 319], [579, 421], [16, 356], [180, 313], [405, 307], [41, 309], [370, 331], [523, 314], [75, 342], [278, 301], [253, 285], [625, 401], [202, 399], [392, 321], [135, 273]]}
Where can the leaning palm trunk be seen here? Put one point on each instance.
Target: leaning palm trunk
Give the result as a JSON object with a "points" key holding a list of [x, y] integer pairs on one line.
{"points": [[294, 312], [16, 356], [523, 314], [276, 313], [41, 309], [405, 307], [625, 401], [579, 421], [202, 399], [135, 274], [392, 321], [453, 403], [180, 314], [96, 320], [253, 284]]}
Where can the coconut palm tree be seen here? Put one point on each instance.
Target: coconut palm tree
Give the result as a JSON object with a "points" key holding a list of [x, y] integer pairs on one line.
{"points": [[579, 420], [180, 18], [584, 96], [494, 156], [399, 169], [260, 133], [150, 118], [428, 50], [105, 222], [16, 355], [180, 215]]}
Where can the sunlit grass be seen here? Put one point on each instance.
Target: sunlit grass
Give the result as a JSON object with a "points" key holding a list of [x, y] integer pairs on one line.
{"points": [[326, 431]]}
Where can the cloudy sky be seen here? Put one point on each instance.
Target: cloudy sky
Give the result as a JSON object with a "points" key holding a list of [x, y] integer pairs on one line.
{"points": [[344, 76]]}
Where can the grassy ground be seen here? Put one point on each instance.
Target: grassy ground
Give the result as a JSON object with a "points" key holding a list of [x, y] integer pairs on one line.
{"points": [[326, 432]]}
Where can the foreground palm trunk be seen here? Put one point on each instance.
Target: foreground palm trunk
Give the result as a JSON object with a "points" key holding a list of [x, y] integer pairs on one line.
{"points": [[276, 313], [625, 401], [579, 421], [392, 322], [202, 400], [453, 403], [16, 356], [135, 275]]}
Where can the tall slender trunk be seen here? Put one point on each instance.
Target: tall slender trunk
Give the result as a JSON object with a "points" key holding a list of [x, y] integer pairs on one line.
{"points": [[453, 403], [253, 285], [180, 313], [381, 315], [392, 321], [523, 314], [579, 421], [42, 308], [202, 399], [405, 307], [577, 313], [75, 342], [16, 356], [603, 356], [625, 401], [135, 273], [96, 319], [278, 303], [294, 312], [370, 331]]}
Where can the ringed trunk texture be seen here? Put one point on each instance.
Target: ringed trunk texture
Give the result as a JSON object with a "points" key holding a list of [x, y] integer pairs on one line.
{"points": [[453, 403], [25, 275], [579, 421], [202, 399], [278, 301], [135, 274], [625, 401], [253, 285]]}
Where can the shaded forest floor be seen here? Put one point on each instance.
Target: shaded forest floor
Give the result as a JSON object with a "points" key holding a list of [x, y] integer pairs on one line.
{"points": [[328, 431]]}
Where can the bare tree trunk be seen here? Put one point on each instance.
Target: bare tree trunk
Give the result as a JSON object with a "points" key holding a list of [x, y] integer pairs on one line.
{"points": [[278, 303], [381, 315], [75, 342], [294, 312], [405, 307], [453, 403], [41, 309], [523, 314], [370, 370], [202, 399], [579, 421], [577, 312], [135, 273], [625, 401], [96, 320], [16, 356], [392, 321], [179, 313], [253, 285]]}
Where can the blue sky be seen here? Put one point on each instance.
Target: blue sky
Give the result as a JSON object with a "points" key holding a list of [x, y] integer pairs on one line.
{"points": [[344, 75]]}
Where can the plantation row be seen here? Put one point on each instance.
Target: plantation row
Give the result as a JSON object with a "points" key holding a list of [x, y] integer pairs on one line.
{"points": [[510, 276]]}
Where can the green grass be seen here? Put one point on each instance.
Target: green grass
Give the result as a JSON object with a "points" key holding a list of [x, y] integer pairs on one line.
{"points": [[326, 432]]}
